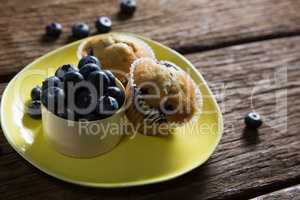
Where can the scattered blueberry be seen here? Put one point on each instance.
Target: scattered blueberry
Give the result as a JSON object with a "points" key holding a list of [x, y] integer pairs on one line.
{"points": [[88, 59], [80, 30], [100, 80], [60, 72], [103, 24], [111, 77], [87, 69], [253, 120], [128, 7], [54, 29], [116, 93], [107, 106], [54, 99], [52, 81], [34, 109], [36, 93]]}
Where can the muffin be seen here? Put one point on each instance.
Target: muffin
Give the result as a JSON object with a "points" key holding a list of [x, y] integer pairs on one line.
{"points": [[117, 52], [160, 97]]}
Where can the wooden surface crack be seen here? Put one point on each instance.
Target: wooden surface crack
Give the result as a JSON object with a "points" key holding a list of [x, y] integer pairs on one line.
{"points": [[198, 48]]}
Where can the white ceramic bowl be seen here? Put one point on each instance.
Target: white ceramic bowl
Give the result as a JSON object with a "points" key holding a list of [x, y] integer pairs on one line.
{"points": [[83, 139]]}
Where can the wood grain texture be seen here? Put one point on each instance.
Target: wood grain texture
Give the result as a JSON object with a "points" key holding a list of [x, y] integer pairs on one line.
{"points": [[291, 193], [187, 26], [246, 164]]}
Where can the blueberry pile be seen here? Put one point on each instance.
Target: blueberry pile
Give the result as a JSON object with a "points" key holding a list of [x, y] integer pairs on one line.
{"points": [[103, 24], [86, 92]]}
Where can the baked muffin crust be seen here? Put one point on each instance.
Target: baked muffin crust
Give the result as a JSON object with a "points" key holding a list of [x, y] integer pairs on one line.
{"points": [[117, 52], [162, 93]]}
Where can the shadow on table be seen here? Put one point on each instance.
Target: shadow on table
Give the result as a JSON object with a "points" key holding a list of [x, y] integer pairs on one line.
{"points": [[47, 39], [122, 17], [195, 180], [251, 136]]}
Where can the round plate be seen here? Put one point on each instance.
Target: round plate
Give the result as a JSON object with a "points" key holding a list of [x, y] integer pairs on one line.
{"points": [[136, 160]]}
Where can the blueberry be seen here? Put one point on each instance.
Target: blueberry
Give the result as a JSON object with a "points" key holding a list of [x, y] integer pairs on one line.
{"points": [[143, 91], [253, 120], [100, 80], [116, 93], [128, 7], [82, 98], [85, 98], [87, 69], [54, 29], [52, 81], [36, 93], [53, 98], [169, 107], [111, 77], [90, 51], [103, 24], [107, 106], [72, 77], [34, 109], [88, 59], [60, 72], [80, 30]]}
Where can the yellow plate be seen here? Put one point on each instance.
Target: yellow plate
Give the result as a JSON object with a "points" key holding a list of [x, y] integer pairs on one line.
{"points": [[139, 161]]}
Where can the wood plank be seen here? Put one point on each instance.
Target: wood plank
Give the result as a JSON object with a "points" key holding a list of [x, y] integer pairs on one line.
{"points": [[188, 25], [2, 88], [245, 165], [291, 193]]}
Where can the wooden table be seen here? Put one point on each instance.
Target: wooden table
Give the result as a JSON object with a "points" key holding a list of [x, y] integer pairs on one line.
{"points": [[248, 51]]}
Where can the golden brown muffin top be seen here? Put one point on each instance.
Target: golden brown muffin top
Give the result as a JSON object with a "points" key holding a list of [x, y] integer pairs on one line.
{"points": [[132, 44], [166, 87], [117, 52]]}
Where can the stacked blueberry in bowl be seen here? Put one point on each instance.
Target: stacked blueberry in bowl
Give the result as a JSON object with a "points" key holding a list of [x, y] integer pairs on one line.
{"points": [[83, 93]]}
